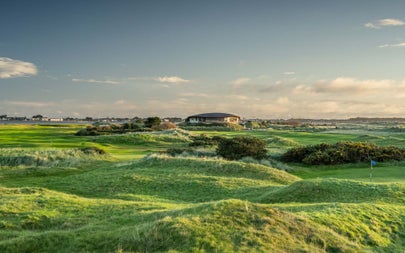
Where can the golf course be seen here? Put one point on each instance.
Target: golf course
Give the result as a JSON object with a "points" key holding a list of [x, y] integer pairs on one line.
{"points": [[60, 192]]}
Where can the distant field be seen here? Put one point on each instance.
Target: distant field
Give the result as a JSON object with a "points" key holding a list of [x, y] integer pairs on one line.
{"points": [[57, 196]]}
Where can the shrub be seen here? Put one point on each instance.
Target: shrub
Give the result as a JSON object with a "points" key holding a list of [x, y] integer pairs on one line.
{"points": [[204, 140], [165, 126], [152, 122], [342, 152], [130, 126], [87, 132], [177, 151], [93, 151], [242, 146]]}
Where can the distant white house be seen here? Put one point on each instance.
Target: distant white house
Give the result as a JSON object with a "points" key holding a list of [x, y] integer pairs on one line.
{"points": [[55, 119], [213, 117]]}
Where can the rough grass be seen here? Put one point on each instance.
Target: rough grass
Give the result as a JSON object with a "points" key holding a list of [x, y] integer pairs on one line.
{"points": [[237, 226], [70, 201], [175, 179], [223, 226], [45, 157], [169, 136], [336, 190]]}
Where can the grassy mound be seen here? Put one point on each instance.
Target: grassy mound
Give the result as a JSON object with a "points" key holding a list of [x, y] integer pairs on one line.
{"points": [[380, 226], [282, 141], [335, 190], [225, 226], [174, 179], [219, 167], [169, 137], [39, 220], [237, 226], [199, 180]]}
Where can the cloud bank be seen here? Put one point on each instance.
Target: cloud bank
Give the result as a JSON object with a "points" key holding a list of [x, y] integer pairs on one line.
{"points": [[341, 97], [348, 86], [384, 22], [10, 68]]}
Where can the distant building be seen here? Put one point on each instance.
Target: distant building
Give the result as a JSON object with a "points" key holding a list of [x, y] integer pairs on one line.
{"points": [[172, 119], [214, 117], [55, 119]]}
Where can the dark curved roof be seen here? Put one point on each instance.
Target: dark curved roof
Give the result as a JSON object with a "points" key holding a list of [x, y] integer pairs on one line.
{"points": [[214, 115]]}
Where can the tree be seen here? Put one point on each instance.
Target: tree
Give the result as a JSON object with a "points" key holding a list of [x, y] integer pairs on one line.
{"points": [[152, 121], [37, 117], [242, 146], [252, 124]]}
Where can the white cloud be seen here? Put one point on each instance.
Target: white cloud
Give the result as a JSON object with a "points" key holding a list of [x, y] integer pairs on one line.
{"points": [[240, 81], [14, 68], [371, 25], [347, 85], [288, 73], [384, 22], [341, 97], [206, 96], [402, 44], [237, 97], [120, 102], [29, 104], [192, 94], [140, 78], [391, 22], [283, 101], [78, 80], [171, 79]]}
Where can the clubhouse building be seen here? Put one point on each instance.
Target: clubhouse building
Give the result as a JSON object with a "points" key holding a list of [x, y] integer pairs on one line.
{"points": [[213, 117]]}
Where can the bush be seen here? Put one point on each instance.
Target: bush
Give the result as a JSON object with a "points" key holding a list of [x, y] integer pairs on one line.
{"points": [[177, 151], [130, 126], [204, 140], [165, 126], [93, 151], [242, 146], [152, 122], [87, 132], [342, 152]]}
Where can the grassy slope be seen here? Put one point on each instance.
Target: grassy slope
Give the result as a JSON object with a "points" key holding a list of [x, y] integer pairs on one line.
{"points": [[160, 204]]}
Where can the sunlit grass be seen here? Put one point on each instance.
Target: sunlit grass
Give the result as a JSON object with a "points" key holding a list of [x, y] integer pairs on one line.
{"points": [[55, 198]]}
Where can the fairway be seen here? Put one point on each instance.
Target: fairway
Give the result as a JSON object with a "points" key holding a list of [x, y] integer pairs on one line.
{"points": [[59, 194]]}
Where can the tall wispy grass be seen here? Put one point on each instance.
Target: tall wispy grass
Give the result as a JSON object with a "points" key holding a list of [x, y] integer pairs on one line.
{"points": [[44, 157], [167, 136]]}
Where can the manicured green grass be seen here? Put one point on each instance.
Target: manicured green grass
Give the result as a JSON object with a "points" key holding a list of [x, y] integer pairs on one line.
{"points": [[38, 136], [382, 173], [55, 198]]}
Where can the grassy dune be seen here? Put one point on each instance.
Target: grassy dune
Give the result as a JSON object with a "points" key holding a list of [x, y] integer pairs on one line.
{"points": [[56, 198], [336, 190]]}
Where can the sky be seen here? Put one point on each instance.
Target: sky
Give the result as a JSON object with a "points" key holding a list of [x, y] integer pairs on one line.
{"points": [[268, 59]]}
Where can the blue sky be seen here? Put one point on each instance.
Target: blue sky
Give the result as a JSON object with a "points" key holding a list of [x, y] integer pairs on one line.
{"points": [[257, 59]]}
